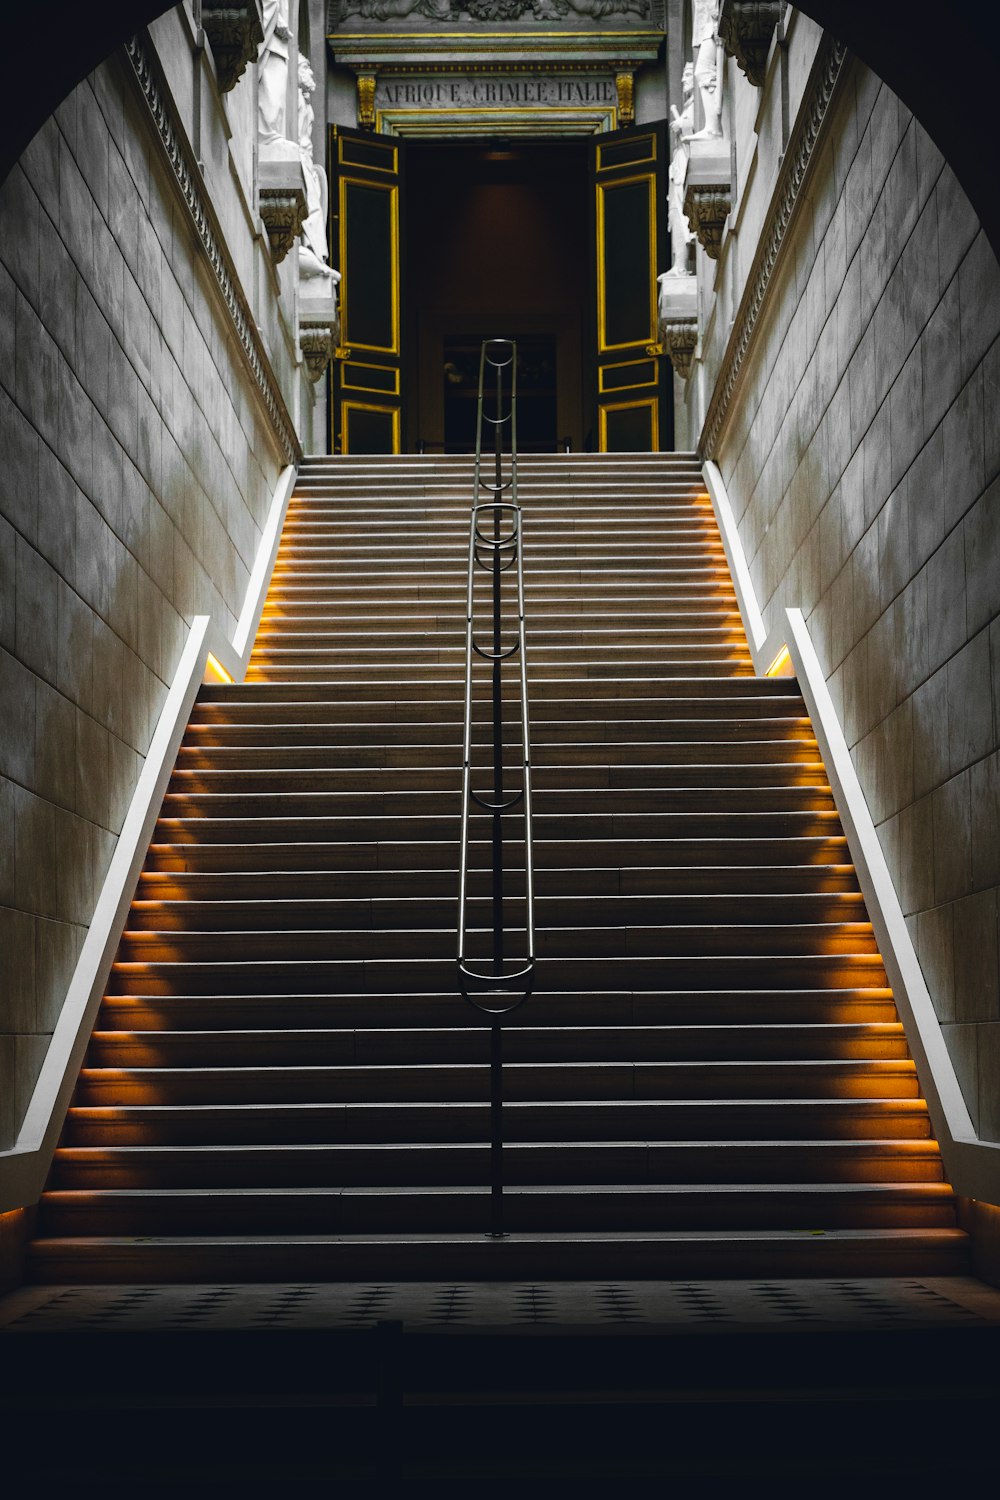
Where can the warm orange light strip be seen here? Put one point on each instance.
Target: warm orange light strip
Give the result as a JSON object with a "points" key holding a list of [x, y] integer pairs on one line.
{"points": [[215, 666], [782, 664]]}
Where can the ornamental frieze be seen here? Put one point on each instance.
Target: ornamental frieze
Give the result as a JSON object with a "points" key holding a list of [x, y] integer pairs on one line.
{"points": [[495, 11]]}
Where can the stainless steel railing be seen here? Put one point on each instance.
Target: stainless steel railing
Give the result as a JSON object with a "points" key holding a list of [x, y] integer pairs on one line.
{"points": [[497, 985]]}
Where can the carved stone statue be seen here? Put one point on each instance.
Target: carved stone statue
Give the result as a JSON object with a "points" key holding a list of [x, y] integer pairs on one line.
{"points": [[272, 74], [313, 253], [708, 66], [681, 126], [386, 10]]}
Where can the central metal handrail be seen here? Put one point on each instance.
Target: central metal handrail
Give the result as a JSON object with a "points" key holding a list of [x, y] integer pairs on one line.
{"points": [[496, 547]]}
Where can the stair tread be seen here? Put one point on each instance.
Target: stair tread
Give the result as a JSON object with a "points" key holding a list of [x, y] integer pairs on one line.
{"points": [[42, 1246], [88, 1196]]}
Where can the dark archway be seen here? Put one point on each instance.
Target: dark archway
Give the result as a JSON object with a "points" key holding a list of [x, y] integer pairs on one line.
{"points": [[914, 45]]}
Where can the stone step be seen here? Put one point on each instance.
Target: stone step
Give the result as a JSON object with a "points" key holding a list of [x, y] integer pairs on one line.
{"points": [[289, 1047], [437, 1082], [303, 945], [382, 913], [371, 1121], [83, 1168], [397, 854], [549, 735], [414, 974], [707, 889], [348, 828], [388, 675], [417, 765], [554, 780], [287, 797], [556, 1256], [550, 1207]]}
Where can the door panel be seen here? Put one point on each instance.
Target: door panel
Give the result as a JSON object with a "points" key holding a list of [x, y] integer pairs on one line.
{"points": [[368, 363], [630, 249]]}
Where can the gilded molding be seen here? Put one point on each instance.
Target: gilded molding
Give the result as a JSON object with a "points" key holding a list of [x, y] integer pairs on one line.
{"points": [[366, 100], [826, 72], [188, 178], [625, 90]]}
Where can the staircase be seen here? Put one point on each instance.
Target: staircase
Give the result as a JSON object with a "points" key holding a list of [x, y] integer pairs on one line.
{"points": [[710, 1080]]}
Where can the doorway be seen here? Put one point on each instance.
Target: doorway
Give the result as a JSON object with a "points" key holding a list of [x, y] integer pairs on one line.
{"points": [[496, 243]]}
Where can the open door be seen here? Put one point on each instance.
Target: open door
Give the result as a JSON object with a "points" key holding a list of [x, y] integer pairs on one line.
{"points": [[630, 238], [366, 400]]}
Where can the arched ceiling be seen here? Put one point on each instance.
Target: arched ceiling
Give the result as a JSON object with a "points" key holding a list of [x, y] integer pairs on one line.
{"points": [[943, 62]]}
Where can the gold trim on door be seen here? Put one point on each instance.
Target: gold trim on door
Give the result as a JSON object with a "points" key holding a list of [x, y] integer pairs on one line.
{"points": [[346, 407], [345, 285], [653, 406], [345, 143], [646, 366], [351, 378], [649, 336], [635, 161]]}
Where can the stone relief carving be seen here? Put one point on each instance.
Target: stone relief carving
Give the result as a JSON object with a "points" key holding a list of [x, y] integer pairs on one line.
{"points": [[235, 33], [283, 209], [745, 30], [708, 66], [491, 10], [680, 337], [678, 319], [707, 208], [317, 341], [681, 126], [272, 74]]}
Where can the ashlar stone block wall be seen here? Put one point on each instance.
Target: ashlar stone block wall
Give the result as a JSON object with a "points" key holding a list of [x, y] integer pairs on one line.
{"points": [[137, 469], [863, 461]]}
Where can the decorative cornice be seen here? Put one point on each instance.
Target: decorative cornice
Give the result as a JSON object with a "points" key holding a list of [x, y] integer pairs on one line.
{"points": [[680, 335], [235, 33], [706, 210], [826, 72], [745, 30], [317, 342], [188, 182], [284, 211]]}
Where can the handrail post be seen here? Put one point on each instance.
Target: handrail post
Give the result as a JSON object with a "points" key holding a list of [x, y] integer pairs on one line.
{"points": [[496, 1130]]}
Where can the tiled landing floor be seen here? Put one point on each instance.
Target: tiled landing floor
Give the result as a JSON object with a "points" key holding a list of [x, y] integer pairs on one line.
{"points": [[729, 1306]]}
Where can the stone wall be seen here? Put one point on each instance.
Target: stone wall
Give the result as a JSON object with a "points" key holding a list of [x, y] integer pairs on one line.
{"points": [[138, 464], [862, 453]]}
